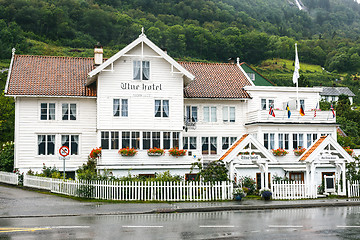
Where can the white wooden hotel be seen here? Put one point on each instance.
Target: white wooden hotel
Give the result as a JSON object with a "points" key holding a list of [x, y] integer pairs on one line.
{"points": [[142, 98]]}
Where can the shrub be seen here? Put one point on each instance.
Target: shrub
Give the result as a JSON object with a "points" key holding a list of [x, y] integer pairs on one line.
{"points": [[248, 183], [7, 157]]}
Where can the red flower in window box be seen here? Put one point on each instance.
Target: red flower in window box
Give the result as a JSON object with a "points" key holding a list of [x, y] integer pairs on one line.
{"points": [[155, 151], [95, 153], [279, 152], [299, 151], [127, 151], [177, 152]]}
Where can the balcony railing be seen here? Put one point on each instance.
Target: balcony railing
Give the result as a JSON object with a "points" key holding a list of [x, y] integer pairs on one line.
{"points": [[281, 116], [189, 123]]}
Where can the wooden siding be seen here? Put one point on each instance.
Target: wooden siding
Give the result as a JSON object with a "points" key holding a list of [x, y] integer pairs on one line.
{"points": [[28, 126]]}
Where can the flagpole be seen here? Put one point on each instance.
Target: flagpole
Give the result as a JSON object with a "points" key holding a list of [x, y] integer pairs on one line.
{"points": [[296, 77], [297, 96]]}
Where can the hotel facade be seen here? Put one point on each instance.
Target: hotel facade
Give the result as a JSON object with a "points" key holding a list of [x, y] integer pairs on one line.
{"points": [[142, 98]]}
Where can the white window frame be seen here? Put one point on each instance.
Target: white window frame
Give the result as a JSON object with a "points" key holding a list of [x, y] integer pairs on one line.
{"points": [[68, 108], [188, 141], [70, 143], [227, 117], [121, 109], [212, 111], [46, 144], [267, 103], [189, 113], [141, 70], [162, 111], [48, 113], [209, 145]]}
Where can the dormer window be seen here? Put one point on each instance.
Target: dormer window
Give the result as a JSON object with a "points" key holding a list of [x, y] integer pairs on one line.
{"points": [[141, 70]]}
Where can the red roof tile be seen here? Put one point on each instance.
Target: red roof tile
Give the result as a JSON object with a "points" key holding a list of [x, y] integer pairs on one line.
{"points": [[50, 76], [233, 147], [312, 149], [215, 80]]}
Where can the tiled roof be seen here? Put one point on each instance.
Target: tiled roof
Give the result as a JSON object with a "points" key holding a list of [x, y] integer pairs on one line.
{"points": [[233, 147], [50, 76], [312, 149], [215, 80], [336, 91]]}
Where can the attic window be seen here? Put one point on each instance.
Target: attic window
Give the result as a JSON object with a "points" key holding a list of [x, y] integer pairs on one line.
{"points": [[141, 70], [251, 76]]}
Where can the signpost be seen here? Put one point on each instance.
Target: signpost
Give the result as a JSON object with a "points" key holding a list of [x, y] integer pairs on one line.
{"points": [[64, 151]]}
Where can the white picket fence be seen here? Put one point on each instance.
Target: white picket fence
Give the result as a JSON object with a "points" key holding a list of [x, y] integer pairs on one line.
{"points": [[37, 182], [353, 189], [292, 190], [135, 191], [9, 178]]}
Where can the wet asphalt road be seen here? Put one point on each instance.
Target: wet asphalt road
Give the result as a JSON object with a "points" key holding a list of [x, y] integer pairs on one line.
{"points": [[26, 215]]}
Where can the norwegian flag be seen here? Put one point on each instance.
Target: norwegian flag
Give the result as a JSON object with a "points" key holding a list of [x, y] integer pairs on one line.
{"points": [[332, 109], [315, 109], [271, 111]]}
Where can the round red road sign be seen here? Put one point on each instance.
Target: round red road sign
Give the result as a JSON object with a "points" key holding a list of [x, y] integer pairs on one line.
{"points": [[64, 151]]}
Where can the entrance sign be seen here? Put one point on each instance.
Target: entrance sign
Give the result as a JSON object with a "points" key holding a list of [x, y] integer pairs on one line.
{"points": [[64, 151]]}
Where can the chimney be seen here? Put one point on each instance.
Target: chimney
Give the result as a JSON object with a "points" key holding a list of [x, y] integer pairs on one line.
{"points": [[98, 54], [231, 60]]}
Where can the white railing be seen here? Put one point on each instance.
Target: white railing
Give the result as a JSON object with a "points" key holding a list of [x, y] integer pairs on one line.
{"points": [[292, 190], [353, 189], [37, 182], [281, 116], [9, 178]]}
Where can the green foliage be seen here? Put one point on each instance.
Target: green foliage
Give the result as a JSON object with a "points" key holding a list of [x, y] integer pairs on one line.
{"points": [[7, 114], [353, 170], [212, 172], [88, 171], [248, 183], [7, 157]]}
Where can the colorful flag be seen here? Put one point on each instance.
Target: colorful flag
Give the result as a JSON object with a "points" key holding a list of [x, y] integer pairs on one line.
{"points": [[297, 66], [315, 109], [332, 109], [288, 110], [302, 113], [271, 111]]}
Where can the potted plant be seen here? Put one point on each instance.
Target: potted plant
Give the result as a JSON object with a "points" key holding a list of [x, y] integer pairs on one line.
{"points": [[176, 152], [299, 151], [238, 194], [127, 151], [95, 153], [279, 152], [266, 194], [155, 152], [349, 150]]}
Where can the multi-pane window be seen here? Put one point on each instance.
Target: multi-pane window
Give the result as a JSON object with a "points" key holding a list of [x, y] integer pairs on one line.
{"points": [[210, 114], [161, 108], [120, 107], [308, 140], [251, 76], [68, 111], [155, 139], [232, 140], [114, 140], [146, 140], [269, 140], [267, 103], [135, 140], [298, 140], [125, 139], [72, 142], [191, 114], [209, 145], [189, 143], [225, 143], [105, 140], [228, 114], [46, 144], [166, 140], [141, 70], [47, 111], [281, 140], [176, 139]]}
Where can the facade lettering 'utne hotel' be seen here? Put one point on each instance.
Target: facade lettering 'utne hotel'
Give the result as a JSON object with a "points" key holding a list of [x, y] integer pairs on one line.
{"points": [[142, 98]]}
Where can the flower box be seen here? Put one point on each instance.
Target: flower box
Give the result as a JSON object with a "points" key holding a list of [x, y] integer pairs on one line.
{"points": [[127, 152], [176, 152], [155, 152], [95, 153], [279, 152], [299, 151]]}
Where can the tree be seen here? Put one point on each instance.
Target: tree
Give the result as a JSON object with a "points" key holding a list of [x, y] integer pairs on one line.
{"points": [[212, 172], [7, 157]]}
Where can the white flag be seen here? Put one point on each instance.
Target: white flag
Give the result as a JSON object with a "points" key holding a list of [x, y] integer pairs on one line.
{"points": [[297, 67]]}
